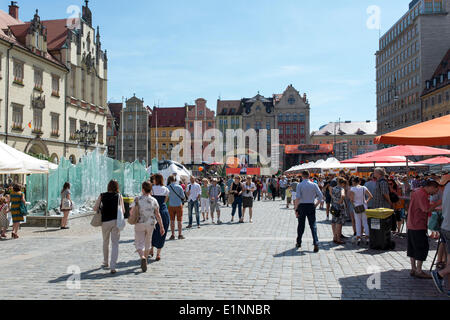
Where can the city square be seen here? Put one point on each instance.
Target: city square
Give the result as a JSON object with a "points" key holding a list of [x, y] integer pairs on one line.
{"points": [[219, 262], [319, 132]]}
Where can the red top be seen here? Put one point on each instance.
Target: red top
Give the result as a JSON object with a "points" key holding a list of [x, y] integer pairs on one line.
{"points": [[418, 210]]}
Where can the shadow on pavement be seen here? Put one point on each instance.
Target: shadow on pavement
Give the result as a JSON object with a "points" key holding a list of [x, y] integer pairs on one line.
{"points": [[133, 267], [388, 285]]}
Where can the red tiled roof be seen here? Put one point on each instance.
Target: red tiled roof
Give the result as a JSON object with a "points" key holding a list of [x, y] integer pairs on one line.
{"points": [[169, 117], [115, 109], [56, 32], [443, 68]]}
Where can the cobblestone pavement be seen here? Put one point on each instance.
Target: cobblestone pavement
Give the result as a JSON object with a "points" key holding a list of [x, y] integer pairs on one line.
{"points": [[229, 261]]}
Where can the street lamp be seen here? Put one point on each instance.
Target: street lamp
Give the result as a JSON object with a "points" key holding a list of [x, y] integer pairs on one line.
{"points": [[86, 137]]}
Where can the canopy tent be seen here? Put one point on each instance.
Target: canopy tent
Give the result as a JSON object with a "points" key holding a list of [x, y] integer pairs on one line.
{"points": [[397, 154], [437, 160], [431, 133], [13, 161], [446, 168]]}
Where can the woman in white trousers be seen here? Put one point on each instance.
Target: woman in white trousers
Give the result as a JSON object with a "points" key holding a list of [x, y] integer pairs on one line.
{"points": [[360, 196]]}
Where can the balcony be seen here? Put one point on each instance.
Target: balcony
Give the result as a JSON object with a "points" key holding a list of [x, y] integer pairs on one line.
{"points": [[17, 127], [18, 81]]}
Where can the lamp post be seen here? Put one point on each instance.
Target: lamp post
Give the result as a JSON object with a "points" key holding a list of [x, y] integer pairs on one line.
{"points": [[86, 137]]}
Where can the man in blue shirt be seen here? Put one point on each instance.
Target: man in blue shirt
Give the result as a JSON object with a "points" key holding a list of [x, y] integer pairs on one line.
{"points": [[305, 207]]}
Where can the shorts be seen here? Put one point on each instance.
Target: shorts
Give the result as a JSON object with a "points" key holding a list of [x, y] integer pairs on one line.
{"points": [[214, 206], [418, 245], [205, 204], [289, 200], [400, 215], [247, 202], [445, 235], [176, 212]]}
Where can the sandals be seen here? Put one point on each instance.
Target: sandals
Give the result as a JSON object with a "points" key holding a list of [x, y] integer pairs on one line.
{"points": [[423, 275], [441, 265]]}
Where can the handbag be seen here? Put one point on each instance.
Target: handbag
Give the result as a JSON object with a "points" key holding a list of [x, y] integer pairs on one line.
{"points": [[120, 218], [23, 209], [97, 218], [360, 209], [134, 218], [230, 198], [335, 211]]}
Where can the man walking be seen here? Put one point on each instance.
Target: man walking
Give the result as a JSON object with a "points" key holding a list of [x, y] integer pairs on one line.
{"points": [[283, 187], [194, 191], [305, 207], [438, 276]]}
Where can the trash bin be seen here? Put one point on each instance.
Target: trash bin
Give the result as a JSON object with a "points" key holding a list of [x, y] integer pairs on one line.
{"points": [[380, 224], [127, 201]]}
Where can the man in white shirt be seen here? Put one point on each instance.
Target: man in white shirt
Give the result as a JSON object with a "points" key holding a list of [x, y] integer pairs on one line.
{"points": [[193, 191], [283, 187]]}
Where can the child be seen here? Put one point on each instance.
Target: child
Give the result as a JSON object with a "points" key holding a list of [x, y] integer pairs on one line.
{"points": [[4, 209], [288, 196]]}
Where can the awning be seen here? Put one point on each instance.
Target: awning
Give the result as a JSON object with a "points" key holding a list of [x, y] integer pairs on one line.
{"points": [[13, 161], [435, 132]]}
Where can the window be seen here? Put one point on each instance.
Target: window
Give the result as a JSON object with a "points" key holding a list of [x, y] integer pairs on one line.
{"points": [[72, 126], [209, 125], [288, 130], [288, 117], [17, 116], [74, 80], [248, 126], [268, 126], [280, 118], [294, 130], [38, 79], [83, 85], [93, 88], [163, 134], [18, 71], [100, 98], [37, 119], [302, 130], [55, 123], [200, 113], [55, 85], [100, 133]]}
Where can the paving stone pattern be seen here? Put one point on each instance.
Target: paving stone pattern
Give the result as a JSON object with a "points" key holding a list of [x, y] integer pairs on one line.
{"points": [[229, 261]]}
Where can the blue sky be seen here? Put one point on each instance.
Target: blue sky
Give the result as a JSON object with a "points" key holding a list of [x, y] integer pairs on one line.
{"points": [[175, 51]]}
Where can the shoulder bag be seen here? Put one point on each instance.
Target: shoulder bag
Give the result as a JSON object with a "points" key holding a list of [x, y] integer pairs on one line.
{"points": [[97, 218], [134, 218], [120, 218]]}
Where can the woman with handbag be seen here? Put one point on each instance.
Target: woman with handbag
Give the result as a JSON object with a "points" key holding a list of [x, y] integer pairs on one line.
{"points": [[18, 209], [161, 194], [66, 205], [360, 196], [108, 203], [144, 215], [337, 210], [236, 195]]}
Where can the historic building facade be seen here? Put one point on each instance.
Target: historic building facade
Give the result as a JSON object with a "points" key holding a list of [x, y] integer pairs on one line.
{"points": [[199, 114], [407, 57], [293, 113], [164, 122], [134, 132], [436, 96], [349, 138], [229, 117], [56, 73]]}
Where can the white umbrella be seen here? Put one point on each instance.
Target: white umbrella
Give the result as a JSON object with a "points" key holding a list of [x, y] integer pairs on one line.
{"points": [[13, 161]]}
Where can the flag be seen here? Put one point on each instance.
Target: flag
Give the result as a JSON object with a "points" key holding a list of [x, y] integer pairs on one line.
{"points": [[29, 125]]}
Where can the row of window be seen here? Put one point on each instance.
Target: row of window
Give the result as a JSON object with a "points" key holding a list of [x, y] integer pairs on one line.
{"points": [[399, 43], [404, 87], [291, 142], [402, 71], [91, 127], [399, 120], [400, 27], [18, 72], [438, 115], [291, 117], [433, 100], [437, 80], [233, 121], [287, 130], [83, 85]]}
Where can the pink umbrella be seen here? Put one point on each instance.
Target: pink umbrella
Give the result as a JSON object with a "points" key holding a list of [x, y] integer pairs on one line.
{"points": [[437, 160]]}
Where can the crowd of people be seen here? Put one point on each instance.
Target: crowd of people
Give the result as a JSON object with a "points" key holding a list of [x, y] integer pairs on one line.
{"points": [[421, 206]]}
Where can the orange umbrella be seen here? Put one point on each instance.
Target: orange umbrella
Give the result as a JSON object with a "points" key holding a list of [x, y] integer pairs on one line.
{"points": [[435, 132]]}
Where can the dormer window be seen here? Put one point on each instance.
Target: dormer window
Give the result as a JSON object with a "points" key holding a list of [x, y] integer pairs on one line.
{"points": [[224, 111], [428, 84], [434, 82], [442, 78], [37, 41]]}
